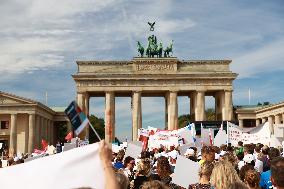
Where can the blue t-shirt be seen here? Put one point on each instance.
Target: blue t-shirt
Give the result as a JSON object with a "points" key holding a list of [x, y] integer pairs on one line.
{"points": [[118, 165], [265, 181]]}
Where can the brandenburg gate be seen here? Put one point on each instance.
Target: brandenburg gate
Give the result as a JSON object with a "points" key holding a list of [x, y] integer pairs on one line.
{"points": [[166, 77]]}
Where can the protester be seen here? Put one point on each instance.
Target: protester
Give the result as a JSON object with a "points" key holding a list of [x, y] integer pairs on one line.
{"points": [[208, 154], [190, 154], [223, 175], [243, 171], [277, 172], [238, 185], [252, 179], [122, 180], [118, 161], [163, 171], [142, 174], [129, 163], [155, 184], [204, 176], [265, 181], [265, 158]]}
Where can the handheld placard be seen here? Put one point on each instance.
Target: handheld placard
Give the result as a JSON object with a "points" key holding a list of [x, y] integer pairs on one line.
{"points": [[78, 119]]}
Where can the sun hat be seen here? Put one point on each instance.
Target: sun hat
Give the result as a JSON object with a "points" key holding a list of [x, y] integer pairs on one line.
{"points": [[248, 158], [189, 152]]}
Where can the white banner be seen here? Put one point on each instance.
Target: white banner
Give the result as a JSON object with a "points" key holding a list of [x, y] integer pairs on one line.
{"points": [[260, 134], [75, 168]]}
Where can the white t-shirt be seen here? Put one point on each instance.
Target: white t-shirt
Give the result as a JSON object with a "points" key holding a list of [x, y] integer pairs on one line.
{"points": [[258, 166]]}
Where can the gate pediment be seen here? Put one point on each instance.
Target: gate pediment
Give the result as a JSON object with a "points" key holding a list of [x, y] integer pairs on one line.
{"points": [[10, 99]]}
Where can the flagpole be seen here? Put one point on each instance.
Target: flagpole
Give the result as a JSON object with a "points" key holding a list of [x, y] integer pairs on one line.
{"points": [[95, 131]]}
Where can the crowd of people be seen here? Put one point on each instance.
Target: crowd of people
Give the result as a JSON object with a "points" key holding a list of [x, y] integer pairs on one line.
{"points": [[250, 166]]}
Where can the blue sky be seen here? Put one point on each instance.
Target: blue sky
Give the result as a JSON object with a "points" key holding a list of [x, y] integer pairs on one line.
{"points": [[41, 40]]}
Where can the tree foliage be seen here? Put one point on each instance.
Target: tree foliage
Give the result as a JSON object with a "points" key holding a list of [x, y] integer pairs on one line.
{"points": [[183, 120], [99, 125]]}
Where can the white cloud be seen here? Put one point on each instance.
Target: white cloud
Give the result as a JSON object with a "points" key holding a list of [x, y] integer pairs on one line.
{"points": [[264, 59]]}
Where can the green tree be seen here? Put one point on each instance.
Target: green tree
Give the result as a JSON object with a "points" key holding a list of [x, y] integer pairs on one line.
{"points": [[183, 120], [210, 114], [99, 125], [62, 131]]}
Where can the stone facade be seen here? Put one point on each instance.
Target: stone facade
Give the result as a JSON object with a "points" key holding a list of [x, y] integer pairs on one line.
{"points": [[165, 77], [28, 122], [274, 114]]}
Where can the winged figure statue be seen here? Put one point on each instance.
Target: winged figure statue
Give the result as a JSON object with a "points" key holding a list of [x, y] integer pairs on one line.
{"points": [[151, 26]]}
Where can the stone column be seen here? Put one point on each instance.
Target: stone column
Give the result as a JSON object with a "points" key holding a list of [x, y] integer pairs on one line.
{"points": [[41, 130], [13, 133], [257, 122], [37, 132], [270, 121], [109, 117], [241, 123], [166, 111], [219, 103], [173, 111], [136, 114], [87, 103], [81, 103], [51, 133], [192, 97], [39, 137], [277, 119], [228, 106], [200, 106], [46, 129], [31, 133], [263, 120]]}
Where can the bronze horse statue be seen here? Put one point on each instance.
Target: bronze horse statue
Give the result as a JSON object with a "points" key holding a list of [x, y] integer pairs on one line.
{"points": [[168, 50], [140, 49], [153, 49]]}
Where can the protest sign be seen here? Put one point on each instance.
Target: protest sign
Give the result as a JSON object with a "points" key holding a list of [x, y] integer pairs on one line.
{"points": [[260, 134], [183, 148], [186, 172], [4, 163], [220, 138], [279, 130], [275, 142], [205, 136], [69, 146], [133, 150], [187, 136], [77, 118], [137, 143], [75, 168]]}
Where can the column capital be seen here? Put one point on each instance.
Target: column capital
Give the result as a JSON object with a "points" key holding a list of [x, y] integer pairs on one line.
{"points": [[137, 91], [228, 90], [108, 91], [173, 91], [200, 90]]}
